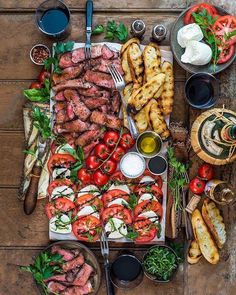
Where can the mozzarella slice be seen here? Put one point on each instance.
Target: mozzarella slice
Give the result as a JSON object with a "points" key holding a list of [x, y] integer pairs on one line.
{"points": [[151, 215], [188, 33], [60, 224], [146, 179], [86, 190], [60, 173], [118, 201], [124, 188], [116, 228], [88, 210], [145, 197], [63, 191], [60, 149]]}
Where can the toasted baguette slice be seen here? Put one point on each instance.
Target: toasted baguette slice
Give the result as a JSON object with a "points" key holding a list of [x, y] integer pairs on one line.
{"points": [[128, 43], [152, 61], [126, 67], [167, 95], [194, 253], [126, 94], [141, 120], [135, 60], [214, 221], [203, 238], [143, 95]]}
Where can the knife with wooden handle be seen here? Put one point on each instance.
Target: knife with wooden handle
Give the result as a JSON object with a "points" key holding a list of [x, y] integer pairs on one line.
{"points": [[31, 195]]}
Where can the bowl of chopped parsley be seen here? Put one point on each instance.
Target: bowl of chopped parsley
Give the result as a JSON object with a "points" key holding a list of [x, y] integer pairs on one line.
{"points": [[160, 263]]}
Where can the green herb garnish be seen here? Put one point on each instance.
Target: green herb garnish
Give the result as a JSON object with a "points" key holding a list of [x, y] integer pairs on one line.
{"points": [[114, 30], [38, 95], [99, 29], [133, 201], [42, 122], [132, 234]]}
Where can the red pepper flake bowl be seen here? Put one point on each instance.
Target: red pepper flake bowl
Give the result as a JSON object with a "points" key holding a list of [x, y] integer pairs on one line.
{"points": [[39, 53]]}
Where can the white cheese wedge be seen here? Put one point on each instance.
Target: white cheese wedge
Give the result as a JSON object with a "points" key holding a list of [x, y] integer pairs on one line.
{"points": [[118, 201], [123, 187], [116, 228], [197, 53], [88, 210], [60, 149], [188, 33], [60, 225], [89, 189], [60, 173], [145, 197], [146, 179], [63, 191], [151, 215]]}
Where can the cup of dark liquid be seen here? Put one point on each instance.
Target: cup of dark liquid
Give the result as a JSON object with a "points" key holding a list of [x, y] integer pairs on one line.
{"points": [[202, 91], [53, 19], [126, 271]]}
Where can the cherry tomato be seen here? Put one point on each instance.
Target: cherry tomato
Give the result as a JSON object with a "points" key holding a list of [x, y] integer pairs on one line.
{"points": [[85, 176], [113, 194], [100, 178], [59, 182], [92, 162], [227, 52], [118, 154], [111, 138], [118, 176], [146, 232], [36, 85], [127, 141], [223, 26], [102, 151], [189, 19], [197, 185], [109, 167], [60, 160], [87, 228], [88, 200], [117, 211], [206, 171], [44, 74], [59, 205], [148, 205]]}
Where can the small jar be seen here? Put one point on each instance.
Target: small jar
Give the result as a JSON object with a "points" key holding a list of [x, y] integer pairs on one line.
{"points": [[138, 28], [159, 33]]}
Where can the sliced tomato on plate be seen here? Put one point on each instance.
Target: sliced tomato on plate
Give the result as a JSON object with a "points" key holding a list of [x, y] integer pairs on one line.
{"points": [[117, 177], [157, 178], [146, 230], [88, 200], [226, 53], [189, 19], [60, 182], [155, 190], [148, 205], [223, 26], [60, 160], [59, 205], [114, 194], [87, 228], [117, 211]]}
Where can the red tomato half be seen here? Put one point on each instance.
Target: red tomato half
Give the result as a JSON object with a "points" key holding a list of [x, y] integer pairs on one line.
{"points": [[227, 52], [59, 182], [117, 211], [87, 229], [148, 205], [189, 19], [223, 26], [114, 194], [88, 200], [59, 205], [60, 160], [145, 229]]}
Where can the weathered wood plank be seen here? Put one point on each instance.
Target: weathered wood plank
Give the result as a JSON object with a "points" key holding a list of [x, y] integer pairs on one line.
{"points": [[100, 5], [17, 65], [21, 283]]}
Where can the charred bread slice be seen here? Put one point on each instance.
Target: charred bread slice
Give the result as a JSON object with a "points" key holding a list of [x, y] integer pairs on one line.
{"points": [[214, 221], [204, 239], [194, 253]]}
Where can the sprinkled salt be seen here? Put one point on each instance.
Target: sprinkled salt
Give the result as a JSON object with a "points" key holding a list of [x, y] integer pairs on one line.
{"points": [[132, 165]]}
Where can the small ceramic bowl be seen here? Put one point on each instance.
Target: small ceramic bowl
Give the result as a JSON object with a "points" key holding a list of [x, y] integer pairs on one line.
{"points": [[32, 51], [156, 137], [156, 158], [137, 171]]}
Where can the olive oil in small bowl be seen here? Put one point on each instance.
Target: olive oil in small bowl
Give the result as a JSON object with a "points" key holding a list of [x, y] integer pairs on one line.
{"points": [[149, 144]]}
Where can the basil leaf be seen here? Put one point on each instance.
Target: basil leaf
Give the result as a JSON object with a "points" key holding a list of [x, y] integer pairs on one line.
{"points": [[37, 95], [99, 29]]}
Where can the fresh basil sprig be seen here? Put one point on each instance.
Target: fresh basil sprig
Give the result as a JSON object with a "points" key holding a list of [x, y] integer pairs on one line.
{"points": [[39, 95], [114, 30], [99, 29], [42, 122]]}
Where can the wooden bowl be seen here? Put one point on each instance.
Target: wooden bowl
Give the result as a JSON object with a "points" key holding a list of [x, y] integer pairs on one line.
{"points": [[178, 51], [88, 255]]}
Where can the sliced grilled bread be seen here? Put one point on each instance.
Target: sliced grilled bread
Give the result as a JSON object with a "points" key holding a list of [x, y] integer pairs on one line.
{"points": [[152, 61], [194, 253], [204, 239], [214, 221]]}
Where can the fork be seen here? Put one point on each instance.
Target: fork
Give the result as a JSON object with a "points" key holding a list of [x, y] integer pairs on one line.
{"points": [[89, 18], [105, 254], [120, 85]]}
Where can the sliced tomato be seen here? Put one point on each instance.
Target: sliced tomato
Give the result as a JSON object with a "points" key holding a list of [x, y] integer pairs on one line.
{"points": [[117, 177], [59, 182], [157, 178], [227, 52], [87, 228], [119, 212], [189, 19], [59, 205], [114, 194], [148, 205], [153, 189], [223, 26], [146, 230], [60, 160], [88, 200]]}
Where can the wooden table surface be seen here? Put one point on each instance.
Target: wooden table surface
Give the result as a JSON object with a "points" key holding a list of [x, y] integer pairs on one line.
{"points": [[21, 237]]}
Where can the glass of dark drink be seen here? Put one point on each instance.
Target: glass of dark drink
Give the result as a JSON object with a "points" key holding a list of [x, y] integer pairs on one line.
{"points": [[202, 91], [53, 19], [126, 271]]}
